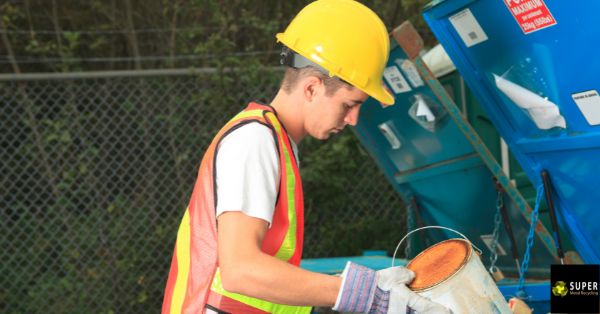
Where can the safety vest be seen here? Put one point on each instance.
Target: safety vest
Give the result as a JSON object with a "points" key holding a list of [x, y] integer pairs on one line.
{"points": [[194, 279]]}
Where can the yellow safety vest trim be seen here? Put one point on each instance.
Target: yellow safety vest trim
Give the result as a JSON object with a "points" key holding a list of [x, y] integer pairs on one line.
{"points": [[183, 263], [263, 305], [286, 251]]}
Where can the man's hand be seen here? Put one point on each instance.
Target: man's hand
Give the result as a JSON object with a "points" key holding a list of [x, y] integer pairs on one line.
{"points": [[364, 290], [404, 300]]}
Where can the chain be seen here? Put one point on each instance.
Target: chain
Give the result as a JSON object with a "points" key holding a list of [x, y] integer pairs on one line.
{"points": [[410, 221], [496, 233], [530, 237]]}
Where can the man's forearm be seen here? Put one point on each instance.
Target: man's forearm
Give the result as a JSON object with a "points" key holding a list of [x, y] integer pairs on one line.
{"points": [[265, 277]]}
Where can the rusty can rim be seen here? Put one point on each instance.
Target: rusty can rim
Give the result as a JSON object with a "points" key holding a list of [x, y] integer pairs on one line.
{"points": [[452, 274]]}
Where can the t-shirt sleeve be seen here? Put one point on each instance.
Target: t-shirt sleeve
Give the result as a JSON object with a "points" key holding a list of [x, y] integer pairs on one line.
{"points": [[247, 172]]}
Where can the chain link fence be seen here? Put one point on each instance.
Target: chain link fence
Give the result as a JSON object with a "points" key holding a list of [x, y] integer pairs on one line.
{"points": [[97, 169]]}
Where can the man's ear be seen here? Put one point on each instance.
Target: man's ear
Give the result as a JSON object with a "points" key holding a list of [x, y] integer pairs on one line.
{"points": [[311, 86]]}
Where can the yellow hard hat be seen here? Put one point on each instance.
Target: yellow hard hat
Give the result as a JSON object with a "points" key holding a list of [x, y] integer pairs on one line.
{"points": [[345, 38]]}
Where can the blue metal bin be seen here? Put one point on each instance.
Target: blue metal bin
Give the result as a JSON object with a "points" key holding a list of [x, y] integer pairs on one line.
{"points": [[533, 67]]}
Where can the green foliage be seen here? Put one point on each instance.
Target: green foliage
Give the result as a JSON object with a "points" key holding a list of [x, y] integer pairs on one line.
{"points": [[209, 29], [349, 205]]}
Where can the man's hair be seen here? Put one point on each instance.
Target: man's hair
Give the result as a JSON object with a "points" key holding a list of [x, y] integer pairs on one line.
{"points": [[293, 75]]}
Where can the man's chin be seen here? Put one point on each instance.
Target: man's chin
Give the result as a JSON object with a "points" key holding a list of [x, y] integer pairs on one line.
{"points": [[332, 134], [327, 135], [322, 136]]}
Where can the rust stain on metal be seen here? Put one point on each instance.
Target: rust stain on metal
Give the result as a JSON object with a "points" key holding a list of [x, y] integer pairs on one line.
{"points": [[438, 263], [409, 39]]}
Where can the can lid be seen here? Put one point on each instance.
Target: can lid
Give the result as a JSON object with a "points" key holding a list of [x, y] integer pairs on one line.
{"points": [[438, 263]]}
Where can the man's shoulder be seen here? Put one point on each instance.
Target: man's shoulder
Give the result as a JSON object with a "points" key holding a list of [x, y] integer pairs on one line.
{"points": [[252, 129], [251, 133]]}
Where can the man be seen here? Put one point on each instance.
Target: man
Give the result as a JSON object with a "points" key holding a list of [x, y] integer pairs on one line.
{"points": [[239, 244]]}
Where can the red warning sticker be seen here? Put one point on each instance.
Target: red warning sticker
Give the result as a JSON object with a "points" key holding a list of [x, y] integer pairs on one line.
{"points": [[532, 15]]}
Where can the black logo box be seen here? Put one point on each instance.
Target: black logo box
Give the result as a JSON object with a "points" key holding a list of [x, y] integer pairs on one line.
{"points": [[574, 276]]}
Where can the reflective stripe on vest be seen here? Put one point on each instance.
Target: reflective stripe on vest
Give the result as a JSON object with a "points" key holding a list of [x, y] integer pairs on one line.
{"points": [[288, 246], [183, 262], [263, 305]]}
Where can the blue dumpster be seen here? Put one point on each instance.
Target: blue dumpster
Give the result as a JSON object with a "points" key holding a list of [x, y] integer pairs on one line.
{"points": [[532, 66]]}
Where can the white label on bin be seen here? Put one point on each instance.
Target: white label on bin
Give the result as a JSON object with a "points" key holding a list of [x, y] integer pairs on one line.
{"points": [[411, 72], [468, 28], [395, 79], [589, 104]]}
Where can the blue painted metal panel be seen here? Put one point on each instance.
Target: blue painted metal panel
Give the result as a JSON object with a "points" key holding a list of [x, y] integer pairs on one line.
{"points": [[440, 168], [335, 265], [555, 62]]}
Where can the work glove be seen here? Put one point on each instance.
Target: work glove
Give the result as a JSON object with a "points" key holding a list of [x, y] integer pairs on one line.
{"points": [[404, 300], [366, 291]]}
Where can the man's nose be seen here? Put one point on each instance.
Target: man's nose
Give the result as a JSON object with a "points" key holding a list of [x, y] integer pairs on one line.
{"points": [[351, 117]]}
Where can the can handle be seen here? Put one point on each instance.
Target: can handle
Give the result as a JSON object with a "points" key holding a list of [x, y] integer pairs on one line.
{"points": [[431, 227]]}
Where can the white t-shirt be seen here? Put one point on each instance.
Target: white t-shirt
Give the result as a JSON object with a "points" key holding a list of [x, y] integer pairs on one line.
{"points": [[247, 171]]}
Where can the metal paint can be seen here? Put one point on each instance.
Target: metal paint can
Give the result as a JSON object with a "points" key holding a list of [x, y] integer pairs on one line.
{"points": [[452, 274]]}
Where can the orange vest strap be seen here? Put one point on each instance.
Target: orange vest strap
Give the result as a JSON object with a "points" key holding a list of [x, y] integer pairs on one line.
{"points": [[229, 305]]}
